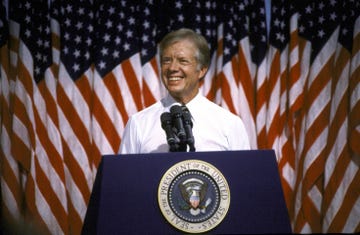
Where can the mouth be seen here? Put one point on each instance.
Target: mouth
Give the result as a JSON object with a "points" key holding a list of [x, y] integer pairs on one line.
{"points": [[174, 78]]}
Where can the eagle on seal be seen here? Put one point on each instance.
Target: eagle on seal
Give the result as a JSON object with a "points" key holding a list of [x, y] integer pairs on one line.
{"points": [[193, 191]]}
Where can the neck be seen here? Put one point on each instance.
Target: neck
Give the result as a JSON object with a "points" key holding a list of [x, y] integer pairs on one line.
{"points": [[185, 99]]}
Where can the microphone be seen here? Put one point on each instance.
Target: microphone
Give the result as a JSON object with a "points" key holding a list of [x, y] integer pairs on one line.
{"points": [[166, 124], [176, 113], [188, 129]]}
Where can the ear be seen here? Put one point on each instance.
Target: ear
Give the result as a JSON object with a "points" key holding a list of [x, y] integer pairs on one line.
{"points": [[202, 72]]}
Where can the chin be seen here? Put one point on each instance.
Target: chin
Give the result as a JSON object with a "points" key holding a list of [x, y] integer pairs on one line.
{"points": [[175, 94]]}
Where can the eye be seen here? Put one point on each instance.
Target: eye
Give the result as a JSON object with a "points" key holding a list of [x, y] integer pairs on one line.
{"points": [[166, 60], [184, 61]]}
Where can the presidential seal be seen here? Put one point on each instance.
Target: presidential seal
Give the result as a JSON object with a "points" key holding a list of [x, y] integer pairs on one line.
{"points": [[193, 196]]}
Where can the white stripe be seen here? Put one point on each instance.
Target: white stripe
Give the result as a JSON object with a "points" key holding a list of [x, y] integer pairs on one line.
{"points": [[219, 59], [261, 74], [75, 196], [294, 56], [13, 58], [319, 104], [100, 140], [294, 22], [316, 197], [26, 57], [247, 117], [7, 195], [76, 147], [273, 103], [4, 86], [205, 89], [336, 150], [357, 27], [298, 200], [128, 98], [289, 175], [305, 62], [57, 184], [6, 149], [43, 207], [323, 57], [8, 200], [341, 90], [296, 90], [49, 125], [107, 102], [261, 115], [353, 219], [314, 151], [135, 61], [260, 118], [355, 96], [75, 96], [306, 229], [153, 81], [233, 86], [14, 28], [18, 127], [245, 47]]}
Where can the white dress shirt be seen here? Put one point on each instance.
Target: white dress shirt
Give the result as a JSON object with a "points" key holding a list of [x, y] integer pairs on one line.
{"points": [[214, 128]]}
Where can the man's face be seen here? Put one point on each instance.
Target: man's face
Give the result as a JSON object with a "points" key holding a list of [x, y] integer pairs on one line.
{"points": [[179, 71]]}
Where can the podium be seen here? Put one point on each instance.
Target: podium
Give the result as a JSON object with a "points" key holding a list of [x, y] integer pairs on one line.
{"points": [[124, 199]]}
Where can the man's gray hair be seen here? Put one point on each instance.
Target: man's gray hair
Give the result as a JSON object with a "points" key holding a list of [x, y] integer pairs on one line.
{"points": [[203, 52]]}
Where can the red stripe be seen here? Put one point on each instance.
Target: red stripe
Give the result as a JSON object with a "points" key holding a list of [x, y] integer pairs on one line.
{"points": [[114, 90], [75, 221], [226, 92], [106, 124], [45, 187], [73, 118], [76, 172], [350, 201], [149, 98], [34, 222], [133, 83], [246, 82]]}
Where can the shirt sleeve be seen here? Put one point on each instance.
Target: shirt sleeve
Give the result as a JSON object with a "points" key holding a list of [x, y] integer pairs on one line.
{"points": [[238, 137], [129, 142]]}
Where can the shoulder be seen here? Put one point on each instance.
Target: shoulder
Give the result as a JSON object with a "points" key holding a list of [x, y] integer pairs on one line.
{"points": [[148, 112], [217, 110]]}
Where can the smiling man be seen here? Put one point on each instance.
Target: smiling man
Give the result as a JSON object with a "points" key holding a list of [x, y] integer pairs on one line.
{"points": [[185, 59]]}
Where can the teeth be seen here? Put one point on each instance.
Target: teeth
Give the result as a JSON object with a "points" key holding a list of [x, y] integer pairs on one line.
{"points": [[174, 78]]}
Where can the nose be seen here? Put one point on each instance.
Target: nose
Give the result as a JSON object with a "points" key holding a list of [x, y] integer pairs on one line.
{"points": [[173, 66]]}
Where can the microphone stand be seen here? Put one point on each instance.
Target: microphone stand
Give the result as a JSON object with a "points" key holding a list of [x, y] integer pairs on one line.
{"points": [[178, 128]]}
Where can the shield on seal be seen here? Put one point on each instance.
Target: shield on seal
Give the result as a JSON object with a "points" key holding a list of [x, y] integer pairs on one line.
{"points": [[193, 191]]}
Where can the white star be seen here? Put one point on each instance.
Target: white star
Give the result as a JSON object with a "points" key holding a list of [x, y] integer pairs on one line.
{"points": [[321, 33], [76, 67], [126, 46], [104, 51], [115, 54], [76, 53], [102, 65]]}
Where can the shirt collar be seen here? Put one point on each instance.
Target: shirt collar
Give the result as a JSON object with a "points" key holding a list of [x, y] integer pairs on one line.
{"points": [[194, 103], [192, 106], [169, 101]]}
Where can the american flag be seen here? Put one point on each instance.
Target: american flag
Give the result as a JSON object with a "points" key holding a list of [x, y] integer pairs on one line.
{"points": [[338, 164], [278, 83], [72, 72], [258, 45]]}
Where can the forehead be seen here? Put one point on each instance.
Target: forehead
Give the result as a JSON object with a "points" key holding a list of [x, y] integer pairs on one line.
{"points": [[177, 48]]}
